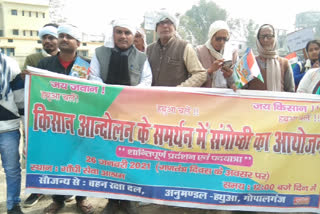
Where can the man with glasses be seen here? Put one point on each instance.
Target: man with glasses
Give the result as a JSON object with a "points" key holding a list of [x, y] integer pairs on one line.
{"points": [[69, 38], [211, 57], [173, 61], [276, 71]]}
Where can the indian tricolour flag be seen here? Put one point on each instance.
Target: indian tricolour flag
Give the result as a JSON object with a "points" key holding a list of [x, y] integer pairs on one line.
{"points": [[293, 59], [246, 69]]}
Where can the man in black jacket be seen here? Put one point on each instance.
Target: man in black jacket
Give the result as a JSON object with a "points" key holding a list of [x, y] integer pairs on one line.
{"points": [[69, 38]]}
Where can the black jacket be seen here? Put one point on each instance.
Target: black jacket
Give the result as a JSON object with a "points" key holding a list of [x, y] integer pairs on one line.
{"points": [[53, 64]]}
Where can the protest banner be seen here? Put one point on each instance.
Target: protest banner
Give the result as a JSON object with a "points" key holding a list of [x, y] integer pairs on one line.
{"points": [[298, 40], [188, 147]]}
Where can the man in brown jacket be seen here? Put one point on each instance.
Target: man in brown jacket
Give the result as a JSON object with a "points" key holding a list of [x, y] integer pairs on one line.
{"points": [[173, 61]]}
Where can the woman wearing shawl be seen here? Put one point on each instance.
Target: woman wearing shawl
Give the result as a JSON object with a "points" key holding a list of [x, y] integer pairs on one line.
{"points": [[276, 71], [211, 57]]}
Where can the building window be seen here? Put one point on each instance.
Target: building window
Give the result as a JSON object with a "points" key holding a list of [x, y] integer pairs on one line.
{"points": [[31, 33], [39, 41], [24, 33], [29, 13], [1, 33], [240, 47], [37, 14], [37, 33], [14, 12], [84, 44], [23, 13], [15, 32], [10, 40], [44, 15]]}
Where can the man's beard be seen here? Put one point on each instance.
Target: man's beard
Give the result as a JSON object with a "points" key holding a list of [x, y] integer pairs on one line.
{"points": [[49, 50]]}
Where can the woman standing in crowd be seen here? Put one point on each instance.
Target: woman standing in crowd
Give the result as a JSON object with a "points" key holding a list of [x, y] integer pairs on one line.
{"points": [[211, 53], [313, 50]]}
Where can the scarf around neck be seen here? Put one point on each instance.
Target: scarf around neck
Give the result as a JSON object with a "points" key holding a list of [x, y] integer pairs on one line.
{"points": [[118, 73], [273, 70]]}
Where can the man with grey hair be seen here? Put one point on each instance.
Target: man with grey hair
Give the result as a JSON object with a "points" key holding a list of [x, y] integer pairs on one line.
{"points": [[173, 61]]}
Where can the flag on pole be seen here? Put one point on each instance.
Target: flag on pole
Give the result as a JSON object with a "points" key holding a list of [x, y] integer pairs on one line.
{"points": [[293, 59], [246, 69]]}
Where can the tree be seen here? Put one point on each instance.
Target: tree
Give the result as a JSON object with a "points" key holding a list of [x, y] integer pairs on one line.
{"points": [[251, 35], [56, 11], [310, 19], [194, 25]]}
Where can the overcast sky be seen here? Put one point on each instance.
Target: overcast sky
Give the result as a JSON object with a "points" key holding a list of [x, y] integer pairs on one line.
{"points": [[93, 15]]}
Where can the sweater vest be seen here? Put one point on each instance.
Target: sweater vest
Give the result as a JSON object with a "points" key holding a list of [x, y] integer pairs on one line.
{"points": [[136, 62], [167, 64]]}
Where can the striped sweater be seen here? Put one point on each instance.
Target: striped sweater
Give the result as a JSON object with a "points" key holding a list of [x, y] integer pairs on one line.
{"points": [[11, 94]]}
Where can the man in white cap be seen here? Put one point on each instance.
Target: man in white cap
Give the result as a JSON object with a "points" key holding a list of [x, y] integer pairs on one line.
{"points": [[173, 61], [140, 40], [118, 62], [69, 38], [49, 38]]}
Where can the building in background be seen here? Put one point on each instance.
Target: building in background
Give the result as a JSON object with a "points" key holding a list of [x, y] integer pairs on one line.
{"points": [[20, 21]]}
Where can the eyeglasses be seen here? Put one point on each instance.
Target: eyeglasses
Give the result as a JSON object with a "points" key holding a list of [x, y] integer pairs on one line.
{"points": [[219, 39], [268, 36]]}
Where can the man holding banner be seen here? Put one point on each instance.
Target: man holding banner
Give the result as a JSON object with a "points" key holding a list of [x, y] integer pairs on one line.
{"points": [[67, 62], [119, 62]]}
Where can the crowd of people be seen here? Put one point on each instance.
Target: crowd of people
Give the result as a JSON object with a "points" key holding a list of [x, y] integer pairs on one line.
{"points": [[125, 59]]}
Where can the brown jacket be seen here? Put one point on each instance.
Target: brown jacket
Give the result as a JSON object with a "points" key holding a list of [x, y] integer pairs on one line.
{"points": [[175, 64]]}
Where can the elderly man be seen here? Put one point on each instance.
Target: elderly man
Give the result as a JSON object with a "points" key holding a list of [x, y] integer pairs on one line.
{"points": [[69, 38], [173, 61], [11, 105], [211, 56], [276, 71], [140, 40], [119, 62], [49, 37]]}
